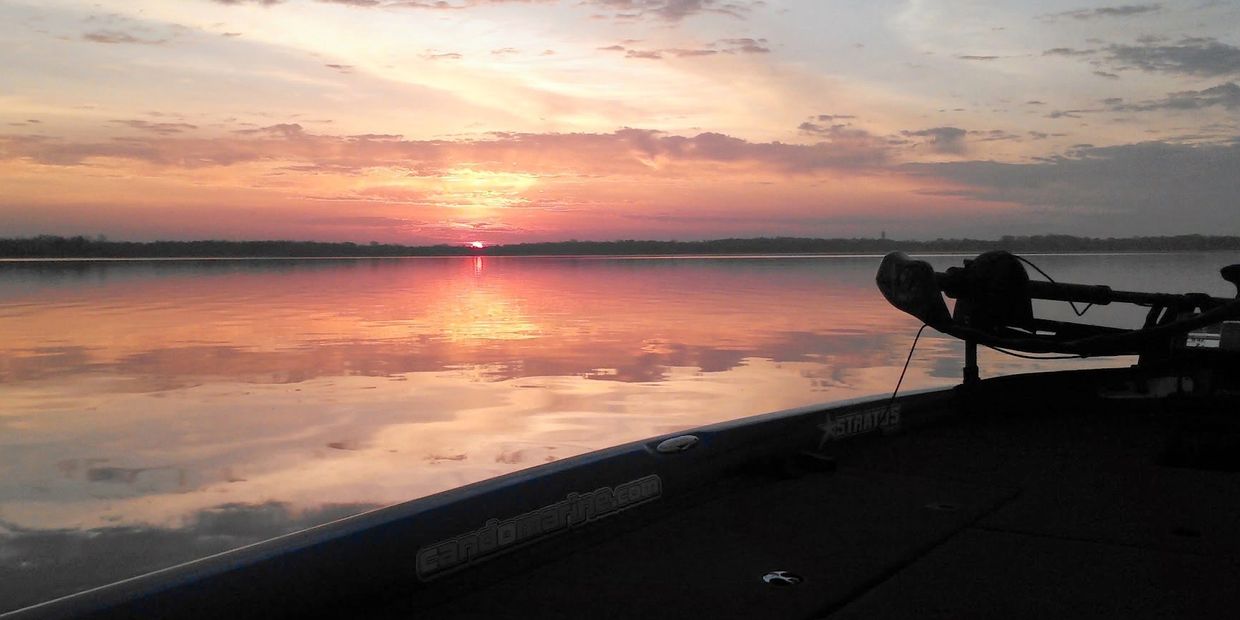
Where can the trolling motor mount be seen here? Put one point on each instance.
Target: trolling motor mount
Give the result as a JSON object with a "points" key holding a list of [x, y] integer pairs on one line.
{"points": [[991, 291]]}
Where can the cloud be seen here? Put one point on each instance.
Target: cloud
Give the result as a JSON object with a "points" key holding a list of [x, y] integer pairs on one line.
{"points": [[288, 131], [944, 140], [816, 129], [1191, 56], [1116, 190], [1068, 51], [722, 46], [835, 130], [1042, 135], [682, 53], [974, 57], [1198, 56], [841, 150], [117, 37], [442, 56], [994, 135], [1125, 10], [340, 68], [1225, 95], [665, 10], [626, 151], [645, 54], [479, 226], [388, 137], [360, 221], [744, 46], [674, 10], [1070, 113], [159, 128]]}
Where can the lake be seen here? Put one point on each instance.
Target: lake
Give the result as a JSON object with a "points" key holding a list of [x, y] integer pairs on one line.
{"points": [[152, 412]]}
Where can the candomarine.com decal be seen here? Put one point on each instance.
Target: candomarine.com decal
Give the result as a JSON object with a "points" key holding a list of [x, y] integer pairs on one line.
{"points": [[498, 536], [841, 425]]}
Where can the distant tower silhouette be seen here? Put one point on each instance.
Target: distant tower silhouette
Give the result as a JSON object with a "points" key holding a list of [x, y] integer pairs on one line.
{"points": [[884, 235]]}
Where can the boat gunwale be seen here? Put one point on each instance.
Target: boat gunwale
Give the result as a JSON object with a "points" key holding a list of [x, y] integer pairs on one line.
{"points": [[721, 447]]}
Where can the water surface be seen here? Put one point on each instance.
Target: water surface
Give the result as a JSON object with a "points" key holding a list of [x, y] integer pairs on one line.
{"points": [[157, 411]]}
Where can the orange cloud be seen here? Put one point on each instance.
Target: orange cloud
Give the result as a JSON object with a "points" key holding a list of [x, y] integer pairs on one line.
{"points": [[623, 151], [284, 181]]}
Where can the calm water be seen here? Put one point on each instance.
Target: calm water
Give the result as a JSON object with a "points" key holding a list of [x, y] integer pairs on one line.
{"points": [[154, 412]]}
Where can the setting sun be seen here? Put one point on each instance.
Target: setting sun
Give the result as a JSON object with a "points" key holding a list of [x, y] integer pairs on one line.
{"points": [[478, 245]]}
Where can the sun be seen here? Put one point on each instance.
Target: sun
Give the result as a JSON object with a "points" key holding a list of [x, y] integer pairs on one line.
{"points": [[477, 245]]}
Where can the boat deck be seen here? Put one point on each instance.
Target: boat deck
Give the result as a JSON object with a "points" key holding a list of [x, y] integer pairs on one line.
{"points": [[1023, 510]]}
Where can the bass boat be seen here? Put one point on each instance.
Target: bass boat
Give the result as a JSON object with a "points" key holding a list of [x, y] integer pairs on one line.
{"points": [[1083, 493]]}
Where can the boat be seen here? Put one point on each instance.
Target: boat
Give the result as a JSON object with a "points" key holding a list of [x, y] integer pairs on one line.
{"points": [[1082, 493]]}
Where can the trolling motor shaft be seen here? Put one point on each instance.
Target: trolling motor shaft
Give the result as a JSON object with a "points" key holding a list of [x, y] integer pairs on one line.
{"points": [[994, 307]]}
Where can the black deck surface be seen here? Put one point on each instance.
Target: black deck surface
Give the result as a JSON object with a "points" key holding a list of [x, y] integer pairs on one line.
{"points": [[1020, 511], [841, 532]]}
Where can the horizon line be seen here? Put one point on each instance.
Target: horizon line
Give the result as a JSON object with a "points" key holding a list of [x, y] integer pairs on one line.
{"points": [[100, 239]]}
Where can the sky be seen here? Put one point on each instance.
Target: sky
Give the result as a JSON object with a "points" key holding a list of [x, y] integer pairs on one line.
{"points": [[507, 121]]}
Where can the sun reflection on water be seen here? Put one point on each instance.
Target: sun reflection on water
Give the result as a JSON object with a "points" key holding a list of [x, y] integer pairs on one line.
{"points": [[185, 402]]}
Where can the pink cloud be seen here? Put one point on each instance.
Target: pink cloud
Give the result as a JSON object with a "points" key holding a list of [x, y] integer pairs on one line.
{"points": [[626, 151]]}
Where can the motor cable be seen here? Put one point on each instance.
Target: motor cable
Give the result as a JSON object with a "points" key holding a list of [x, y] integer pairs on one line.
{"points": [[1034, 357], [1052, 281], [891, 403]]}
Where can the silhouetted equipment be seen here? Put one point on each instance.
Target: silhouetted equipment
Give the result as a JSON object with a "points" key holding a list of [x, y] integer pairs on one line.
{"points": [[994, 307]]}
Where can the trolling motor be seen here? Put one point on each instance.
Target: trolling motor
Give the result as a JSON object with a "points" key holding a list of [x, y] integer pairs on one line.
{"points": [[994, 307]]}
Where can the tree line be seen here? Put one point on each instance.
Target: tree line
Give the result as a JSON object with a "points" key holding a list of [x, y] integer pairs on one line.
{"points": [[48, 246]]}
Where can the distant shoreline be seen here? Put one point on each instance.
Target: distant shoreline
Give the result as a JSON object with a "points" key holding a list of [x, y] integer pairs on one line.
{"points": [[770, 255], [81, 248]]}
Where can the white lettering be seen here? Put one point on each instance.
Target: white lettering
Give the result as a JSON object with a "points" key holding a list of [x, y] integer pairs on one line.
{"points": [[496, 536]]}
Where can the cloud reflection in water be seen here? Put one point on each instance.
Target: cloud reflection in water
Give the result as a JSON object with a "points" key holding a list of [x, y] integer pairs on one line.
{"points": [[159, 411]]}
